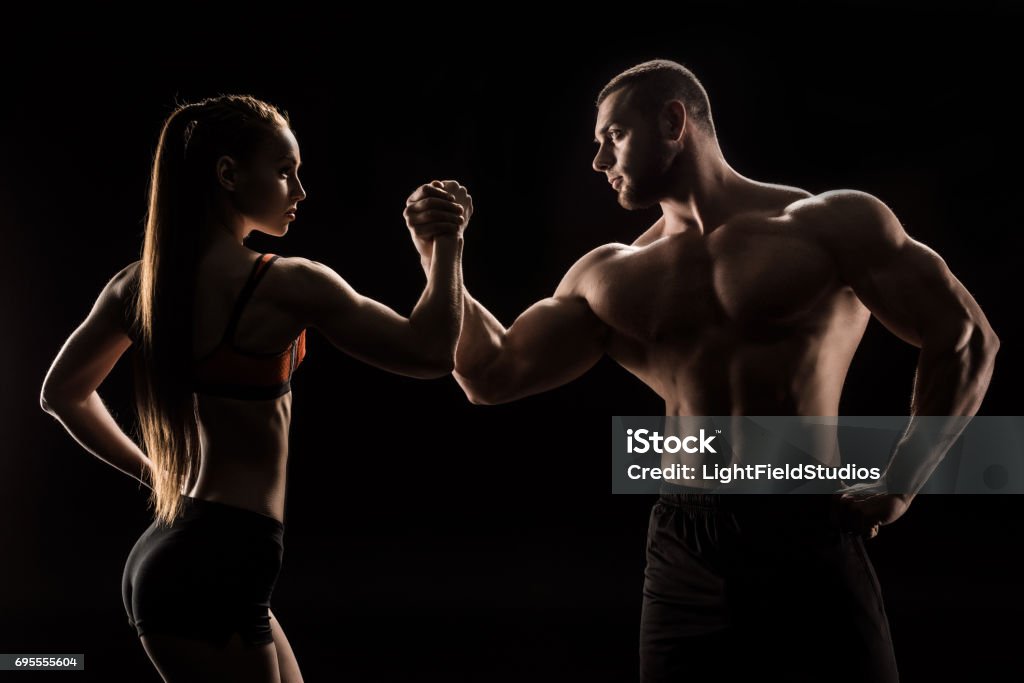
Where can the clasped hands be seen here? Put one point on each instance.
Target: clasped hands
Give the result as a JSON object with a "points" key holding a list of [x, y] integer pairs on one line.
{"points": [[436, 209]]}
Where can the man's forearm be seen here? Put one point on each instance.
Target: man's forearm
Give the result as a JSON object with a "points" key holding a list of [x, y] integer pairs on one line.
{"points": [[481, 337], [481, 340], [948, 390], [438, 313], [953, 381], [91, 424]]}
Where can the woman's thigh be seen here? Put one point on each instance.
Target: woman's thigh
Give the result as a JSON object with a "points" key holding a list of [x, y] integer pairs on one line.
{"points": [[184, 660], [287, 664]]}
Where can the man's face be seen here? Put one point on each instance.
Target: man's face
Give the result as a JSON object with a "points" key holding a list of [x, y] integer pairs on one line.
{"points": [[630, 152]]}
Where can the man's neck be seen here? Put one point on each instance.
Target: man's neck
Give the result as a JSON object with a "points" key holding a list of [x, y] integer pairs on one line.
{"points": [[707, 193]]}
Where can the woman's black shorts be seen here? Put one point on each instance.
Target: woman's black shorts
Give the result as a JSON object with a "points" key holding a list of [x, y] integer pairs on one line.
{"points": [[206, 576]]}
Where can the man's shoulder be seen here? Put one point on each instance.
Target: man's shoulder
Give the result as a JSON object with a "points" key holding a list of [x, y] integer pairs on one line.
{"points": [[598, 257], [847, 217], [589, 268], [846, 206]]}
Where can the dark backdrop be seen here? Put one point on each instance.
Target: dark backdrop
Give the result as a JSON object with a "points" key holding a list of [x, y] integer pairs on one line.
{"points": [[426, 536]]}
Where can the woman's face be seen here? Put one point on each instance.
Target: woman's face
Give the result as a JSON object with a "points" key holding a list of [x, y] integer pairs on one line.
{"points": [[268, 189]]}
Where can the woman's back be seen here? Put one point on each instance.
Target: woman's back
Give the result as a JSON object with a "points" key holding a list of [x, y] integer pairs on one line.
{"points": [[244, 433]]}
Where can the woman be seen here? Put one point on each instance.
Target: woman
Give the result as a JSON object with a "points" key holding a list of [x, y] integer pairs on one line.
{"points": [[219, 330]]}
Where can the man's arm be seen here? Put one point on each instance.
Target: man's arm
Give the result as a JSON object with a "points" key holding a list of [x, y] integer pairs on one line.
{"points": [[69, 390], [550, 344], [908, 287]]}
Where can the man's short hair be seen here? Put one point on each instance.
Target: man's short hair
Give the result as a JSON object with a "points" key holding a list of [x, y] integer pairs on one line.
{"points": [[658, 81]]}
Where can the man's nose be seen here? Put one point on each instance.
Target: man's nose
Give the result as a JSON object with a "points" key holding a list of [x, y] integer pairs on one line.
{"points": [[602, 160]]}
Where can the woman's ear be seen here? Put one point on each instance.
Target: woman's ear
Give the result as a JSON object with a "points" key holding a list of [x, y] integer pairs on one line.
{"points": [[227, 173]]}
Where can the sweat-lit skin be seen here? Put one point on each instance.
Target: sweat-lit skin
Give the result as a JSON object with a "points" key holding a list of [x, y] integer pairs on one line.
{"points": [[744, 298]]}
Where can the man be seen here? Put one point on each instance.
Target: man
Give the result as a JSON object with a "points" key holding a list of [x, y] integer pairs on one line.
{"points": [[744, 298]]}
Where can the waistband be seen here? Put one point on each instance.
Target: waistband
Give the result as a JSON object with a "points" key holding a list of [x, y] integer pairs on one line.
{"points": [[695, 498], [192, 508]]}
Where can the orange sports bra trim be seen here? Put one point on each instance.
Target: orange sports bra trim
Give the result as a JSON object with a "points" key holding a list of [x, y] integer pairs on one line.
{"points": [[236, 373]]}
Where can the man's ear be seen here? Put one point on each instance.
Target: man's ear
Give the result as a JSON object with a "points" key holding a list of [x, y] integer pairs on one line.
{"points": [[227, 173], [673, 120]]}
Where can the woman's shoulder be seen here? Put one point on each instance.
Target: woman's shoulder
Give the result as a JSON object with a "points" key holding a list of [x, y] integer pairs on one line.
{"points": [[122, 288], [127, 276], [310, 289], [293, 264], [300, 272]]}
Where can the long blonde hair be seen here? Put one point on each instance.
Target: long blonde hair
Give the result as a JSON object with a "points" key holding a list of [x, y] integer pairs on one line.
{"points": [[182, 188]]}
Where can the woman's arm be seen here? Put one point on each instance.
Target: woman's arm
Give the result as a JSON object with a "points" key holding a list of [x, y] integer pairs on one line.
{"points": [[422, 345], [85, 360]]}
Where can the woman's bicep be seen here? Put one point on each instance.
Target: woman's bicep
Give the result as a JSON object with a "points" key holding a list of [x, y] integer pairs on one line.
{"points": [[91, 351], [356, 324]]}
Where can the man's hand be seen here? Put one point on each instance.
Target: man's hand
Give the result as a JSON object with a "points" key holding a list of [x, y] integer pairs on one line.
{"points": [[462, 197], [440, 207], [865, 508]]}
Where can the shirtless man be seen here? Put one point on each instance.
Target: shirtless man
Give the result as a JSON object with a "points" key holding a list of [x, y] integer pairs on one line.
{"points": [[744, 298]]}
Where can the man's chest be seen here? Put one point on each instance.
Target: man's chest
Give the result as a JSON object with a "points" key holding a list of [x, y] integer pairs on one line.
{"points": [[752, 277]]}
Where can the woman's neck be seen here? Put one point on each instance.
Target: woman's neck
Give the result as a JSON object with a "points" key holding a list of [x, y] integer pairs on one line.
{"points": [[217, 236]]}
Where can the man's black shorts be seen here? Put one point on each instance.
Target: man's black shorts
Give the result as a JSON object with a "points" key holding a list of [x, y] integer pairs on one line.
{"points": [[766, 586]]}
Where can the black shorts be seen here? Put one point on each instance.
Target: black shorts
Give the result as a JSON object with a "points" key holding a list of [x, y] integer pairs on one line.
{"points": [[761, 586], [208, 575]]}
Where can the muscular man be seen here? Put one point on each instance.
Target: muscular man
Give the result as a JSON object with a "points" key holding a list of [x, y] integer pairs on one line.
{"points": [[744, 298]]}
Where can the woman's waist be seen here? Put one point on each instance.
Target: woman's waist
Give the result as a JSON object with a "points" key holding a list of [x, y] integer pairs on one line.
{"points": [[201, 505], [258, 491], [251, 432], [271, 510]]}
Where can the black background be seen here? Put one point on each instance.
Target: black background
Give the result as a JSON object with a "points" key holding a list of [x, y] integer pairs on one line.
{"points": [[426, 536]]}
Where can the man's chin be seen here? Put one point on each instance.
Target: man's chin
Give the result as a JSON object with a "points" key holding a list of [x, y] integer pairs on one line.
{"points": [[631, 203]]}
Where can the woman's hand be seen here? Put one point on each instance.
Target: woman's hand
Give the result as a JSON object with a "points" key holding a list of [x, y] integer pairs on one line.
{"points": [[437, 208]]}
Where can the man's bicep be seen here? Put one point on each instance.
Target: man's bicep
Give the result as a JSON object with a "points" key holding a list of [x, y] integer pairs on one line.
{"points": [[553, 342], [915, 295], [904, 283], [559, 338]]}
